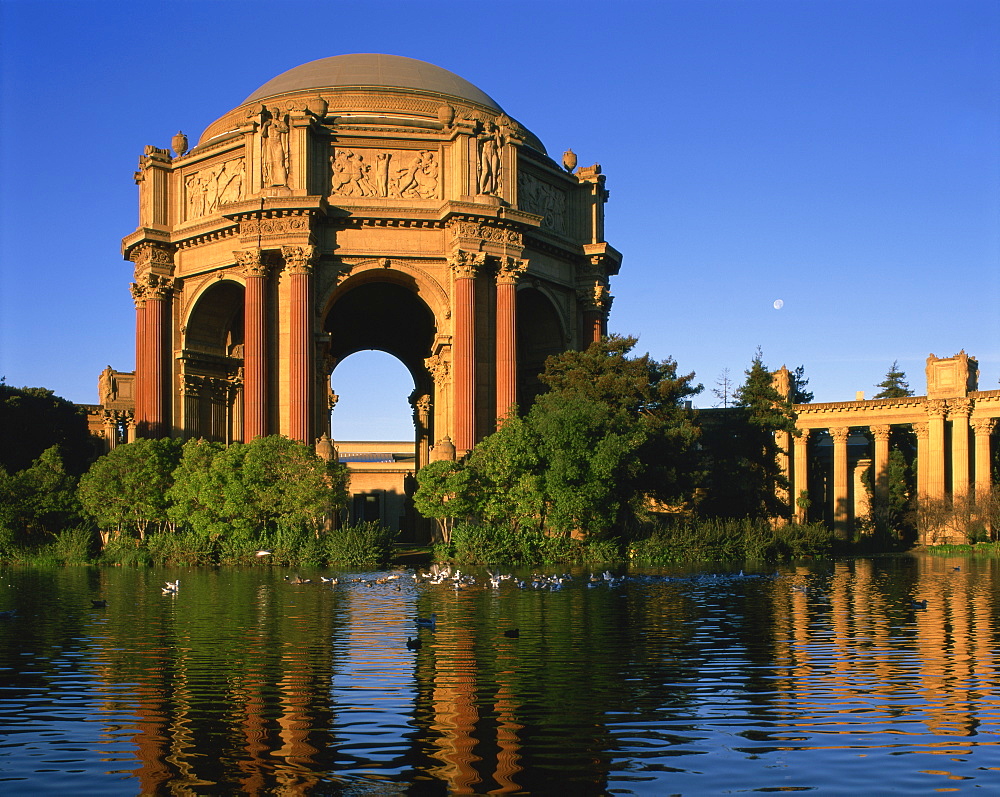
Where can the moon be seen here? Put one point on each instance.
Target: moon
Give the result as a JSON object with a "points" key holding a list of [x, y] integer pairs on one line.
{"points": [[778, 304]]}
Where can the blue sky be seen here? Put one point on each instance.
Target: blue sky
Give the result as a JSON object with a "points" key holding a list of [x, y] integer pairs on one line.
{"points": [[841, 156]]}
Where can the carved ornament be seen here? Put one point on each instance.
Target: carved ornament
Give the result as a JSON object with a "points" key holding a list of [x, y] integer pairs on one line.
{"points": [[274, 151], [384, 173], [984, 426], [465, 265], [543, 199], [840, 434], [438, 367], [959, 408], [299, 259], [880, 432], [596, 297], [283, 226], [484, 232], [207, 189], [149, 255], [251, 262], [510, 269], [936, 408], [489, 166]]}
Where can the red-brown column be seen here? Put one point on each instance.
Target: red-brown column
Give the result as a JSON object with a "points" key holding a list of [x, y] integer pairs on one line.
{"points": [[597, 303], [139, 295], [507, 275], [298, 263], [254, 345], [463, 347], [156, 302]]}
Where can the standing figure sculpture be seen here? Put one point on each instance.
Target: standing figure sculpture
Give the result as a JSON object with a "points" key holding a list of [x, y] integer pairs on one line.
{"points": [[274, 146], [490, 146]]}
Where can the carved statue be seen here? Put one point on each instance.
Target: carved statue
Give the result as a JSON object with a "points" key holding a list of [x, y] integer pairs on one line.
{"points": [[274, 148], [489, 169], [107, 386]]}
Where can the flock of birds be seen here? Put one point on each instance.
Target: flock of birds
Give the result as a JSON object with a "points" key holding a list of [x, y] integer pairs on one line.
{"points": [[444, 575]]}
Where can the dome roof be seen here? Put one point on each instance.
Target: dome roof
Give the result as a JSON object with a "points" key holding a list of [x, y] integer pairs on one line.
{"points": [[372, 70]]}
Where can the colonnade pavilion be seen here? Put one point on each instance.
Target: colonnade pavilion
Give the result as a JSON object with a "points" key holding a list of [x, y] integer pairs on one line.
{"points": [[378, 202]]}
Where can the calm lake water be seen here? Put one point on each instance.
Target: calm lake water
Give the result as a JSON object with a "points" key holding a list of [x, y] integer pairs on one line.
{"points": [[821, 677]]}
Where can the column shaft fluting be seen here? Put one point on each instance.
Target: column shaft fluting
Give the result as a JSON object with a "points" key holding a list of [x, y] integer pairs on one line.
{"points": [[841, 509], [464, 361], [254, 357]]}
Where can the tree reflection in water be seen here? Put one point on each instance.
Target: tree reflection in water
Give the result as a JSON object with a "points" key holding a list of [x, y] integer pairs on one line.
{"points": [[812, 678]]}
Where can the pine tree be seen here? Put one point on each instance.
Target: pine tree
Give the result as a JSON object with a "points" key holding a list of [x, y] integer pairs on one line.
{"points": [[799, 393], [724, 391], [894, 385]]}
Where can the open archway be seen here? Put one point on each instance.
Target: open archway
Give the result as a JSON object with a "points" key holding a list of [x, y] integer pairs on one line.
{"points": [[212, 363], [540, 334]]}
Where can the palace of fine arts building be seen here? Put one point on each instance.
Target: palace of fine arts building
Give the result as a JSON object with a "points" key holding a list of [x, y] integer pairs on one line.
{"points": [[378, 202]]}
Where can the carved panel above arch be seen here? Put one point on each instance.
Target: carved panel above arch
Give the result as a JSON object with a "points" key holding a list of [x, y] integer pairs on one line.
{"points": [[206, 189], [385, 173]]}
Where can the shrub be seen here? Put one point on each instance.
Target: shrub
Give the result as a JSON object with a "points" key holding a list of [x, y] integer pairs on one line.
{"points": [[363, 545]]}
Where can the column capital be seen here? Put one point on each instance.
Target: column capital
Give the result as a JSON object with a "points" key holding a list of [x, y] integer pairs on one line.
{"points": [[802, 438], [299, 259], [159, 287], [840, 434], [936, 408], [510, 270], [596, 297], [251, 262], [959, 408], [922, 431], [152, 256], [465, 265], [983, 427], [138, 294], [880, 431], [439, 368]]}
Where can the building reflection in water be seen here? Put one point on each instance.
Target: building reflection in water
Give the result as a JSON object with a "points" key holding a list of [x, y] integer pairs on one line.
{"points": [[259, 686]]}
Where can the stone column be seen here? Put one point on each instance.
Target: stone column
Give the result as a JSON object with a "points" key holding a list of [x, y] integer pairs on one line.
{"points": [[507, 275], [156, 368], [596, 301], [800, 481], [841, 510], [922, 431], [785, 494], [881, 486], [140, 384], [422, 425], [218, 391], [464, 267], [439, 368], [936, 411], [983, 428], [959, 410], [255, 365], [191, 386], [862, 506], [299, 265]]}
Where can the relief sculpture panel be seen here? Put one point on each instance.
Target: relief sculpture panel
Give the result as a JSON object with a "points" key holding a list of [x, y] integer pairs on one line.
{"points": [[549, 202], [207, 189], [391, 174]]}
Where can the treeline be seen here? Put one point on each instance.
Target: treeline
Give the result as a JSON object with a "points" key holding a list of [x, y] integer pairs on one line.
{"points": [[160, 501], [612, 458]]}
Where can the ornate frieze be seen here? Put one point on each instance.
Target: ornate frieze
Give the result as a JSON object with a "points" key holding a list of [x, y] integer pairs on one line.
{"points": [[543, 199], [485, 232], [286, 225], [385, 173], [205, 190]]}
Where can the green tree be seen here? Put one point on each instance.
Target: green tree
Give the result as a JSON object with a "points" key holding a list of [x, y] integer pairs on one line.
{"points": [[33, 419], [894, 385], [799, 393], [443, 494], [742, 450], [126, 489], [611, 432], [246, 488]]}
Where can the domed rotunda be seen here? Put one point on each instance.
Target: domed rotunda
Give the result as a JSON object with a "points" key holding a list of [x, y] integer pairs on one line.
{"points": [[359, 202]]}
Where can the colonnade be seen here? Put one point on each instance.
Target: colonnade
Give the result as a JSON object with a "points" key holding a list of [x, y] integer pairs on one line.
{"points": [[955, 429]]}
